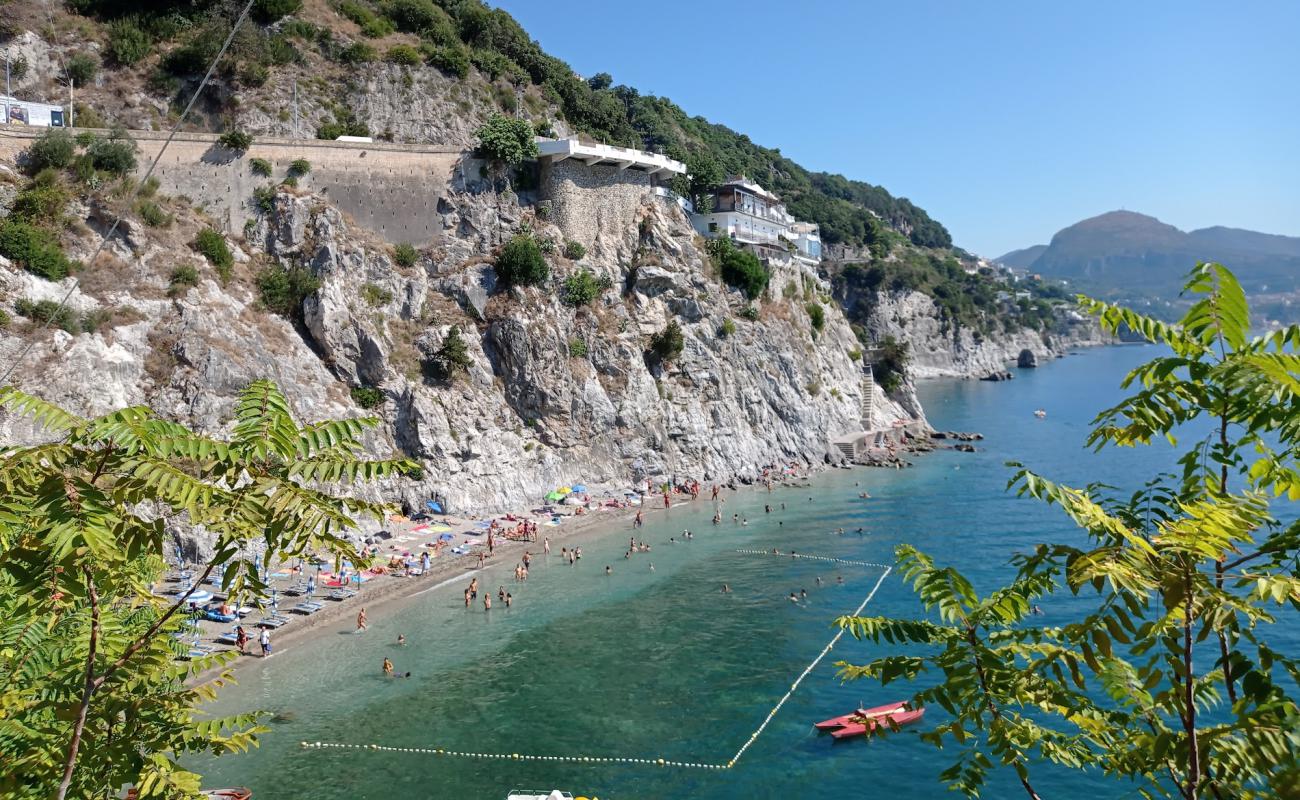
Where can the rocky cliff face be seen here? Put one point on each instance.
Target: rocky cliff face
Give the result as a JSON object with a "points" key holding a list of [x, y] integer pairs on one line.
{"points": [[554, 394], [938, 349]]}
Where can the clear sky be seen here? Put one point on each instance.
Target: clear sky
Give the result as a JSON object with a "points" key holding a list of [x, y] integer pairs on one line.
{"points": [[1006, 120]]}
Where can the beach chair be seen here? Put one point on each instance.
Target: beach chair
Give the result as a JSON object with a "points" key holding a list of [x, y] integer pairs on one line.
{"points": [[274, 621], [339, 595], [296, 589], [229, 637], [307, 608]]}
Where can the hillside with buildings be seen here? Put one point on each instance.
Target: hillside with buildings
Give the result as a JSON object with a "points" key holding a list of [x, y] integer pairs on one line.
{"points": [[384, 209]]}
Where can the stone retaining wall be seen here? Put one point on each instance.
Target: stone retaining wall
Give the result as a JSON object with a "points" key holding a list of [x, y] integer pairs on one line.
{"points": [[588, 199], [392, 189]]}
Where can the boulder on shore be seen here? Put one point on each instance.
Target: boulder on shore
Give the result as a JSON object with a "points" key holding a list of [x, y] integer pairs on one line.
{"points": [[1000, 375], [1027, 359]]}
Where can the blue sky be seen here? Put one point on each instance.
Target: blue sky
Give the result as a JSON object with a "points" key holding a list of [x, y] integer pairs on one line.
{"points": [[1005, 120]]}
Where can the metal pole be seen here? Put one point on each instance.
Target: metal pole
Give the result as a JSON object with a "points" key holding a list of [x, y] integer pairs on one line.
{"points": [[8, 90], [72, 105], [294, 134]]}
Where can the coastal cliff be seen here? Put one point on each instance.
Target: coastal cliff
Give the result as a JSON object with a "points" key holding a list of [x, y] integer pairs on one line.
{"points": [[554, 393], [938, 349]]}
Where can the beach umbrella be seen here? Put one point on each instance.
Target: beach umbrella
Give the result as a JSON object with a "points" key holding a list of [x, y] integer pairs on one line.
{"points": [[580, 488], [564, 490], [198, 597], [434, 506], [553, 496]]}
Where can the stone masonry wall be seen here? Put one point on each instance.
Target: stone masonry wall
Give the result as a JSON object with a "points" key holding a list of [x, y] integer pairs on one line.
{"points": [[391, 189], [588, 200]]}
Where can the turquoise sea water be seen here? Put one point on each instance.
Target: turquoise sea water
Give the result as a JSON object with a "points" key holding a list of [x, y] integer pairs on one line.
{"points": [[662, 664]]}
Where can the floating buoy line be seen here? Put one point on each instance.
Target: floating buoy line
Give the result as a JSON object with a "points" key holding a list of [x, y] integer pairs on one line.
{"points": [[631, 760]]}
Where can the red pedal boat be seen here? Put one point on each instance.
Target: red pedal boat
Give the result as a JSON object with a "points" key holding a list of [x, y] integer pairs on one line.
{"points": [[865, 720]]}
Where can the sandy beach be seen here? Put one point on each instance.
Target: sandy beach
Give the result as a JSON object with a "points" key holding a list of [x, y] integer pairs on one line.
{"points": [[387, 592]]}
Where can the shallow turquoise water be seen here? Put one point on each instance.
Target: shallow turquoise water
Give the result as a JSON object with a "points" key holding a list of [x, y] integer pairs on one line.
{"points": [[661, 664]]}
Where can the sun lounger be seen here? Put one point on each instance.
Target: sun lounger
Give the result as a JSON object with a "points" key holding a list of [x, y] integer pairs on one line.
{"points": [[295, 590], [229, 637], [273, 621], [341, 594], [307, 608]]}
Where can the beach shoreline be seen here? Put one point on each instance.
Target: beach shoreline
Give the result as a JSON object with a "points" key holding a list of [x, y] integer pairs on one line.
{"points": [[390, 592]]}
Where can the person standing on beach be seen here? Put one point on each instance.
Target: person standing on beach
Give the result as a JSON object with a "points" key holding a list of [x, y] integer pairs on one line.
{"points": [[492, 545], [361, 620], [667, 502], [241, 638], [265, 640], [546, 546], [424, 562], [715, 492]]}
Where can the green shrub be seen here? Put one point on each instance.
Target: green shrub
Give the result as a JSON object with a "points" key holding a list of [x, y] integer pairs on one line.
{"points": [[583, 286], [152, 214], [358, 53], [81, 68], [264, 199], [817, 316], [405, 255], [299, 167], [740, 268], [40, 202], [283, 289], [727, 328], [289, 180], [273, 10], [376, 295], [412, 16], [280, 50], [574, 250], [367, 397], [34, 249], [452, 357], [332, 130], [890, 366], [48, 311], [260, 167], [453, 59], [254, 73], [4, 318], [214, 248], [403, 54], [543, 127], [183, 277], [667, 344], [236, 140], [855, 354], [115, 155], [149, 188], [577, 348], [750, 313], [521, 263], [547, 246], [507, 140], [54, 148]]}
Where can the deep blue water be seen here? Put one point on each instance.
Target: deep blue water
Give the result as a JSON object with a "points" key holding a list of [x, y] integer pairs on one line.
{"points": [[661, 664]]}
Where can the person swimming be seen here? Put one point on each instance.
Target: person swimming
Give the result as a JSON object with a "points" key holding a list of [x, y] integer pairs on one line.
{"points": [[401, 639], [793, 597], [388, 668], [803, 594], [726, 588]]}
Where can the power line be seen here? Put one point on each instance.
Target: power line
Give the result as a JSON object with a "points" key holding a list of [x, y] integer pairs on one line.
{"points": [[76, 282]]}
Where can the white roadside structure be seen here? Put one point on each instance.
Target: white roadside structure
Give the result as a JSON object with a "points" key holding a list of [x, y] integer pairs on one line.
{"points": [[591, 154], [25, 112]]}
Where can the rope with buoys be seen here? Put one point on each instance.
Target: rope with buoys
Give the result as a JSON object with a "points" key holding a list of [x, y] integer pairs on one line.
{"points": [[817, 558], [659, 762]]}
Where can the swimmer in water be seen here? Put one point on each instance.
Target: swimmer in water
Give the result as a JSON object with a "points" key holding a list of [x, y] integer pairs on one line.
{"points": [[819, 580], [388, 668], [401, 639], [609, 570], [803, 594], [726, 588], [839, 579], [793, 598]]}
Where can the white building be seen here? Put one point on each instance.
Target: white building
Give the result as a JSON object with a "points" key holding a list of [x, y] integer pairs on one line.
{"points": [[748, 214], [24, 112], [555, 150]]}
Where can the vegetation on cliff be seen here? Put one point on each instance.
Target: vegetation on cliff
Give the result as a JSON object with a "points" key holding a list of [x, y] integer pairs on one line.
{"points": [[455, 34]]}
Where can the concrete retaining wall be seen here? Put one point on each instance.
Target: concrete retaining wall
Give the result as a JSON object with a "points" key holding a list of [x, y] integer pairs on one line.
{"points": [[392, 189]]}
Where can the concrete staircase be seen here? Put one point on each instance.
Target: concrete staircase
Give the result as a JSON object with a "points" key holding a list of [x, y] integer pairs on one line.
{"points": [[847, 449], [867, 412]]}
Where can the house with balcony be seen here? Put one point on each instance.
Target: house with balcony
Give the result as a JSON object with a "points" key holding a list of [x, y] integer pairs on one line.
{"points": [[753, 217]]}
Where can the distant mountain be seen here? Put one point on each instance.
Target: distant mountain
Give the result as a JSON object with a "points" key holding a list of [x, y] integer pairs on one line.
{"points": [[1021, 259], [1124, 253]]}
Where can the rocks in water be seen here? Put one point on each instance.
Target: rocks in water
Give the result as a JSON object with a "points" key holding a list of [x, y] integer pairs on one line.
{"points": [[1027, 359], [960, 436], [964, 448], [998, 375]]}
